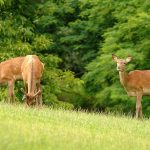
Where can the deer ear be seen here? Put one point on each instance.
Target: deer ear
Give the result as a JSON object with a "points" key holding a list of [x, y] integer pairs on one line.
{"points": [[24, 97], [128, 59], [114, 57]]}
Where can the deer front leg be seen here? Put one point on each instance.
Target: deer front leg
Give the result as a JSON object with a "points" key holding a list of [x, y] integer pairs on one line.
{"points": [[36, 98], [39, 87], [139, 106], [11, 91], [40, 97]]}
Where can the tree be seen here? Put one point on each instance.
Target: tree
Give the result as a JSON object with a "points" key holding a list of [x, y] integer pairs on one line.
{"points": [[24, 30], [128, 36]]}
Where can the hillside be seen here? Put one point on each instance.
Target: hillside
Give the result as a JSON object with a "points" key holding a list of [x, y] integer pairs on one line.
{"points": [[29, 128]]}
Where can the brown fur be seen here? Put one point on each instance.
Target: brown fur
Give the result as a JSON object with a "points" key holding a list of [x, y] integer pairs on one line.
{"points": [[10, 71], [32, 69], [136, 83]]}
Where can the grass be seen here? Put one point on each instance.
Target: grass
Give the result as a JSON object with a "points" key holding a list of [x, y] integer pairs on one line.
{"points": [[47, 129]]}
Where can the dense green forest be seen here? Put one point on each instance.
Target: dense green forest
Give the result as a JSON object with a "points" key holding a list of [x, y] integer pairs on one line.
{"points": [[75, 40]]}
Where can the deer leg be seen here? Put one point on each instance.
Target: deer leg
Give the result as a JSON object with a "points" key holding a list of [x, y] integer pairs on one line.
{"points": [[26, 88], [26, 91], [138, 106], [11, 91], [39, 87], [36, 98]]}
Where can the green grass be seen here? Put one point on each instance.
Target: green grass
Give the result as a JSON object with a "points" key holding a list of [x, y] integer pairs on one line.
{"points": [[31, 129]]}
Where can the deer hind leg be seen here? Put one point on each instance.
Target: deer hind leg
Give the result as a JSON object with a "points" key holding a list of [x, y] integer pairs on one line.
{"points": [[11, 91], [139, 106]]}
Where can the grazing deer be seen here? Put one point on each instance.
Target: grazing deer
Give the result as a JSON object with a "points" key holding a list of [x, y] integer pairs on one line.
{"points": [[10, 71], [136, 83], [32, 69]]}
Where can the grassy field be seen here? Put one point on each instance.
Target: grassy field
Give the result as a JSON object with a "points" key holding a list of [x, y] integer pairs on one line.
{"points": [[47, 129]]}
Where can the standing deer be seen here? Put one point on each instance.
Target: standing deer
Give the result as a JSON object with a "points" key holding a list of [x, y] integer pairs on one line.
{"points": [[32, 69], [136, 83], [10, 71]]}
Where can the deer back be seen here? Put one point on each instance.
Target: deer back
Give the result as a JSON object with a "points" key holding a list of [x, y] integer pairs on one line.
{"points": [[32, 65], [138, 80], [11, 69]]}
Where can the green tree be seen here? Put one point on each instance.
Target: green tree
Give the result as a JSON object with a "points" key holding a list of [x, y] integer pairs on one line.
{"points": [[128, 36], [25, 28]]}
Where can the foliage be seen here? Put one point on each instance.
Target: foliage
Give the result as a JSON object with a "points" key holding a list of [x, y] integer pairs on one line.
{"points": [[23, 31], [128, 36], [75, 39]]}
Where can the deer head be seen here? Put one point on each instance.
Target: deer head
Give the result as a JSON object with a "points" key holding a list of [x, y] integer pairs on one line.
{"points": [[29, 98], [121, 62]]}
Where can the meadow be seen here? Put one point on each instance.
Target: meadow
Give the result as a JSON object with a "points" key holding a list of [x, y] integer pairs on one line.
{"points": [[57, 129]]}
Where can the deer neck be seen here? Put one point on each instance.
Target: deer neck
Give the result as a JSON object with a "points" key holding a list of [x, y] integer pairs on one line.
{"points": [[123, 77], [31, 82]]}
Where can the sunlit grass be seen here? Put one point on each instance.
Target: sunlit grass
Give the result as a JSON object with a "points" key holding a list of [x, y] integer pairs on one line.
{"points": [[28, 128]]}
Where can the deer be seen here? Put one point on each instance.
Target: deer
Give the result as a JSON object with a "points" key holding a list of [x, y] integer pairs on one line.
{"points": [[32, 69], [10, 71], [136, 83]]}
